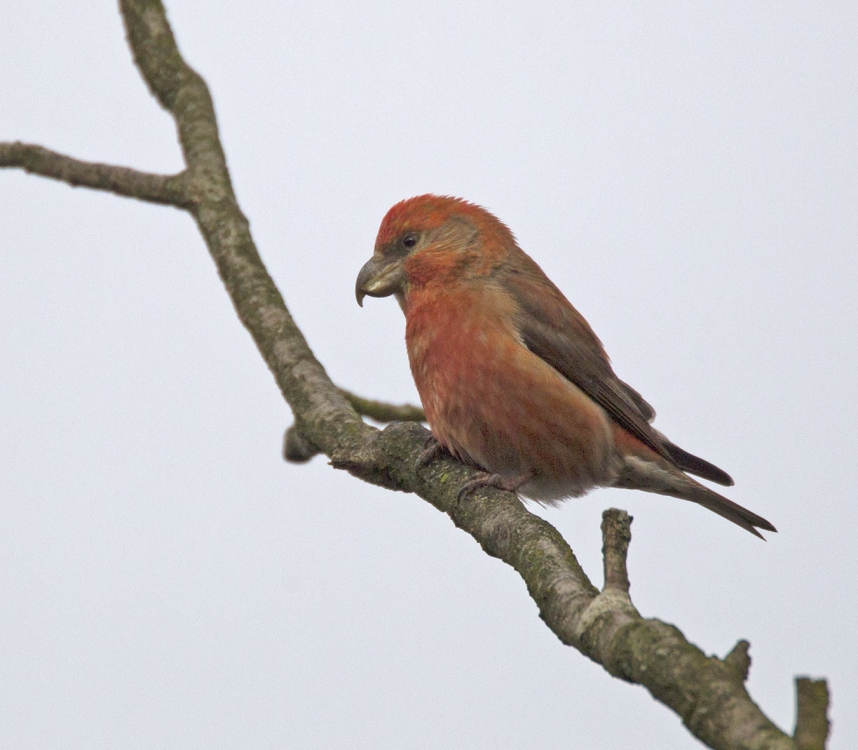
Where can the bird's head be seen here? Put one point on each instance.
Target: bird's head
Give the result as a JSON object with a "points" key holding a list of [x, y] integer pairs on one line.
{"points": [[431, 239]]}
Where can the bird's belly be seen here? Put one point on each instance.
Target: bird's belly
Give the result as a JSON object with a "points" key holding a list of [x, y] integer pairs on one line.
{"points": [[504, 409]]}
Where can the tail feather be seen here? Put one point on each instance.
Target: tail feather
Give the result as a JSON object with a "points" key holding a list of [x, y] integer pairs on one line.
{"points": [[725, 508], [659, 476], [700, 467]]}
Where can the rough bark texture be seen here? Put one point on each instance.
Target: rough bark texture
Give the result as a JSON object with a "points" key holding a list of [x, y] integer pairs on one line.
{"points": [[708, 693]]}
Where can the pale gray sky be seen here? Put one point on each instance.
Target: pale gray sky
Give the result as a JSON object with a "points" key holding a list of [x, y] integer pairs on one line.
{"points": [[686, 173]]}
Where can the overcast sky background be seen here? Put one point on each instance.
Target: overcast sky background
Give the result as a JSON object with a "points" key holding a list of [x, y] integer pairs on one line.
{"points": [[687, 174]]}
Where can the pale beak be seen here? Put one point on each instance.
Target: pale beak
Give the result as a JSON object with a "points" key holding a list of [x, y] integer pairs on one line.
{"points": [[378, 278]]}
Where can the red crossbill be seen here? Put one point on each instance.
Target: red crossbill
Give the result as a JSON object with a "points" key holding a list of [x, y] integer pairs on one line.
{"points": [[512, 378]]}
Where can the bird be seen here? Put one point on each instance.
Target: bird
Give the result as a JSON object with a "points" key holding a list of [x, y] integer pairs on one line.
{"points": [[512, 378]]}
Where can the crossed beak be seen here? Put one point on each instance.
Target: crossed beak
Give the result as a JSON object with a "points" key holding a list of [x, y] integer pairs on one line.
{"points": [[379, 278]]}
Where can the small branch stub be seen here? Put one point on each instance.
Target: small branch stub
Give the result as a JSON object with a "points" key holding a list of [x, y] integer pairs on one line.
{"points": [[811, 723], [739, 659], [297, 448], [616, 535]]}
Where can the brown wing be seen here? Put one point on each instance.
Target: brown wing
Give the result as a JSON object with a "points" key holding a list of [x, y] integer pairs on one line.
{"points": [[555, 331], [643, 407]]}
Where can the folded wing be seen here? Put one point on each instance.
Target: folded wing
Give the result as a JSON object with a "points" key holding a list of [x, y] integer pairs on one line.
{"points": [[556, 332]]}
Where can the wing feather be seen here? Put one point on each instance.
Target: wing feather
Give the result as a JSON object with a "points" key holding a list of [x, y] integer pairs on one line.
{"points": [[555, 331]]}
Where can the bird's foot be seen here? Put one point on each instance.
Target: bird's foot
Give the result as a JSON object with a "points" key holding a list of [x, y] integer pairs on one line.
{"points": [[432, 451], [486, 479]]}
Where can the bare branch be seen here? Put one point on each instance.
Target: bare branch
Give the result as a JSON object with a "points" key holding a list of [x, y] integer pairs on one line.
{"points": [[154, 188], [322, 414], [707, 694], [811, 721], [179, 89], [297, 448], [384, 412], [616, 535]]}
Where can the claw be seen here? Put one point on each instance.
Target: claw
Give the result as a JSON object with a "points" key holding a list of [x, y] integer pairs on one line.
{"points": [[485, 479], [431, 452]]}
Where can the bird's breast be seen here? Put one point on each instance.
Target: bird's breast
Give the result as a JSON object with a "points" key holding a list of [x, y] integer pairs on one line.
{"points": [[492, 402]]}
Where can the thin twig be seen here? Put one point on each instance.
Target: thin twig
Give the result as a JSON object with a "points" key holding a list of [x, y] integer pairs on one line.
{"points": [[131, 183], [384, 412]]}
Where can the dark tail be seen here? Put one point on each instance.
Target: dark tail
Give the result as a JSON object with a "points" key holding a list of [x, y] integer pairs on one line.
{"points": [[697, 466], [652, 473], [725, 508]]}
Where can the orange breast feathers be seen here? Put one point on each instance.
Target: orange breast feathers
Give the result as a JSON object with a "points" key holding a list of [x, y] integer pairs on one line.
{"points": [[490, 401]]}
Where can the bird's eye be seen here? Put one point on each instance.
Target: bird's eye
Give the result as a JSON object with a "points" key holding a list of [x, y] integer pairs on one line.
{"points": [[409, 240]]}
